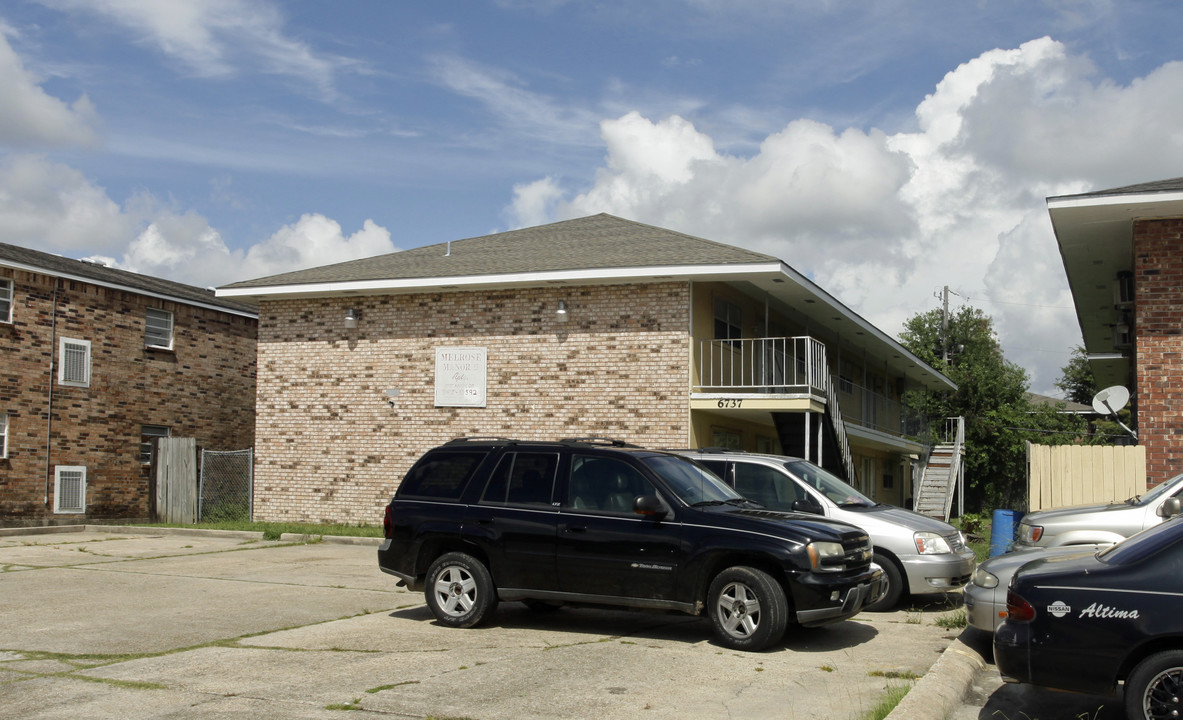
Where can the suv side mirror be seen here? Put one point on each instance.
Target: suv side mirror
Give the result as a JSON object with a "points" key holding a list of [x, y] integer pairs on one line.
{"points": [[807, 506], [650, 506], [1169, 508]]}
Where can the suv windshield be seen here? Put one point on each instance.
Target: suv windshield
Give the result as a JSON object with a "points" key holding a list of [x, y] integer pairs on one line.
{"points": [[828, 484], [1153, 494], [690, 481]]}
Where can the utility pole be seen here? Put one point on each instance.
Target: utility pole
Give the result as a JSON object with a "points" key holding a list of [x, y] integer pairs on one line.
{"points": [[944, 298]]}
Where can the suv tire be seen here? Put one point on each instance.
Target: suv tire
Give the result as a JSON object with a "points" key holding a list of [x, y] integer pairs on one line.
{"points": [[748, 609], [894, 579], [460, 590]]}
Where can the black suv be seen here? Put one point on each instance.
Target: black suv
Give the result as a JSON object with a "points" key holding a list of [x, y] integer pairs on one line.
{"points": [[592, 522]]}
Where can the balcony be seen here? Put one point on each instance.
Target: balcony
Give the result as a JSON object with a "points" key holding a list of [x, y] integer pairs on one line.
{"points": [[772, 366]]}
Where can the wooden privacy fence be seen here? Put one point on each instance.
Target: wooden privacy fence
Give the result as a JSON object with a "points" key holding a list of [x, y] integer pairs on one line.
{"points": [[1066, 475], [176, 480]]}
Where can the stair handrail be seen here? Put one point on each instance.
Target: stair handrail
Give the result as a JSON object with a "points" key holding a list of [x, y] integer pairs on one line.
{"points": [[956, 427], [834, 411]]}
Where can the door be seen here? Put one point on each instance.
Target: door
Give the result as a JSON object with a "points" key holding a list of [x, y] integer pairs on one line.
{"points": [[603, 547], [516, 521]]}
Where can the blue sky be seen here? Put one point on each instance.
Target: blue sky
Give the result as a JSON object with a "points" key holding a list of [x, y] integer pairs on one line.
{"points": [[884, 148]]}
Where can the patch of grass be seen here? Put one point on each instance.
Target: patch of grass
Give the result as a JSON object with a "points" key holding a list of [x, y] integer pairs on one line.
{"points": [[894, 674], [354, 705], [272, 531], [895, 693], [954, 620], [826, 668]]}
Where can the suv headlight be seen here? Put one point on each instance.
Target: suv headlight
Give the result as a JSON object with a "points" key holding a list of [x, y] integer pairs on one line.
{"points": [[985, 578], [929, 543], [826, 556]]}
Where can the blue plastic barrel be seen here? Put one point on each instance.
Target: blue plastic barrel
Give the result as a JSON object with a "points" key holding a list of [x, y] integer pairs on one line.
{"points": [[1002, 531]]}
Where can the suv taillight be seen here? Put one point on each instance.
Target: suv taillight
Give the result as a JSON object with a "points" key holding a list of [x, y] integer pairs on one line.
{"points": [[1017, 608], [387, 522]]}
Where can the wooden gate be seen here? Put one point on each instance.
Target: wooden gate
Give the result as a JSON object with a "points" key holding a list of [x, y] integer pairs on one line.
{"points": [[1066, 475], [176, 480]]}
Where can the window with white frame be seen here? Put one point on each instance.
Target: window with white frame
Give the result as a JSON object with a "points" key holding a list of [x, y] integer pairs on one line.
{"points": [[147, 434], [74, 362], [5, 300], [158, 329], [69, 489], [3, 436]]}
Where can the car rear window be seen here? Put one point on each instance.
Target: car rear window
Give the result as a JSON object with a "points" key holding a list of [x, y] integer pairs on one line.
{"points": [[443, 474]]}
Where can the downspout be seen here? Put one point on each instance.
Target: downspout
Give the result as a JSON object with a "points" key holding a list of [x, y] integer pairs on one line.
{"points": [[53, 325]]}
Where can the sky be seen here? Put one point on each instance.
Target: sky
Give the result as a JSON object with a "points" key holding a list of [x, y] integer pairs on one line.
{"points": [[884, 148]]}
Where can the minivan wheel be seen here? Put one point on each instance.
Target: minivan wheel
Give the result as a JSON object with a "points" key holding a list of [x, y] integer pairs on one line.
{"points": [[1155, 688], [895, 585], [460, 590], [748, 609]]}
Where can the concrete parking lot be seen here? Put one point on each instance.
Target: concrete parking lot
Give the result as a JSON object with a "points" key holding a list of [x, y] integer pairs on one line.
{"points": [[144, 623]]}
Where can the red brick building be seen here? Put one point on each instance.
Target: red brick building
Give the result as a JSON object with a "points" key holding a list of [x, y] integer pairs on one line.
{"points": [[1123, 253], [94, 363], [597, 326]]}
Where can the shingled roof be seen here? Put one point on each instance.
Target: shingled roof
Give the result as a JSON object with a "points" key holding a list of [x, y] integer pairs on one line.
{"points": [[590, 243], [55, 265]]}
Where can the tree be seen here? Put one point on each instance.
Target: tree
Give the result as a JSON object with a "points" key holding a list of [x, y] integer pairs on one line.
{"points": [[992, 398], [1076, 378]]}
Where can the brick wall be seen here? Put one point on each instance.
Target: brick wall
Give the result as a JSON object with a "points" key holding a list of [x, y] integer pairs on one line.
{"points": [[331, 447], [203, 389], [1158, 327]]}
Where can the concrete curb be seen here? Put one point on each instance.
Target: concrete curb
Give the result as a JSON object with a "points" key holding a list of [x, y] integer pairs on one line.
{"points": [[197, 532], [940, 691]]}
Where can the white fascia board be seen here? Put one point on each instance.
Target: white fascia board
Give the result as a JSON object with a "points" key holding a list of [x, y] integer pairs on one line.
{"points": [[1074, 201], [508, 279], [126, 288]]}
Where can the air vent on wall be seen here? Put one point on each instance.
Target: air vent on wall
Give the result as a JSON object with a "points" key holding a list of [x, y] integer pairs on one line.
{"points": [[1123, 290]]}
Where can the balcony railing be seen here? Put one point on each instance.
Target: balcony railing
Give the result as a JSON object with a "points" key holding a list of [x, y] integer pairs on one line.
{"points": [[861, 406], [783, 365]]}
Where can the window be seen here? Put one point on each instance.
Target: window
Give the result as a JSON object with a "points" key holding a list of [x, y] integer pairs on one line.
{"points": [[69, 489], [74, 362], [442, 474], [5, 301], [605, 484], [3, 436], [522, 479], [158, 329], [726, 438], [728, 320], [147, 434]]}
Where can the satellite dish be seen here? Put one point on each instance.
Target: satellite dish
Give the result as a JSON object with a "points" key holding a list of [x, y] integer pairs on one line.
{"points": [[1110, 400]]}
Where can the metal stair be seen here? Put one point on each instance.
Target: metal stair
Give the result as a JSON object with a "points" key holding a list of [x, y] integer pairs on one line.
{"points": [[942, 473]]}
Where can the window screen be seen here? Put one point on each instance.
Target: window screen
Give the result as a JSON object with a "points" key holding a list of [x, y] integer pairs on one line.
{"points": [[442, 474], [728, 322], [74, 362], [3, 436], [158, 331], [147, 434], [5, 300], [69, 489]]}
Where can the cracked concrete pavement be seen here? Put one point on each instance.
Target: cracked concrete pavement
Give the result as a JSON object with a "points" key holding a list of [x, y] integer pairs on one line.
{"points": [[121, 622]]}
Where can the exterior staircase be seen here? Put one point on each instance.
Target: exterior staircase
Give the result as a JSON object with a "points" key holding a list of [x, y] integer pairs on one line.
{"points": [[942, 473]]}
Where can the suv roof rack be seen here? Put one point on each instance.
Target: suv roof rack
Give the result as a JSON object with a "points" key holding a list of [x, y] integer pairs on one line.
{"points": [[489, 439], [599, 441]]}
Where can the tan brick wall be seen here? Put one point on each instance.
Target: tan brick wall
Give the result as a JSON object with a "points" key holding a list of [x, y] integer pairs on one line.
{"points": [[203, 389], [1158, 288], [331, 446]]}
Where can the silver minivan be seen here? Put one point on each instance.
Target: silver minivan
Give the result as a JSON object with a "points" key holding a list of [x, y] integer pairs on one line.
{"points": [[1100, 523], [919, 555]]}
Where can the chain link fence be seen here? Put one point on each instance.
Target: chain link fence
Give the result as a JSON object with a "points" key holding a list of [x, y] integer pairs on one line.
{"points": [[227, 485]]}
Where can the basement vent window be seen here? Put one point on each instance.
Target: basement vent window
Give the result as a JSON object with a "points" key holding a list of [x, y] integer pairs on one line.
{"points": [[74, 362], [69, 489]]}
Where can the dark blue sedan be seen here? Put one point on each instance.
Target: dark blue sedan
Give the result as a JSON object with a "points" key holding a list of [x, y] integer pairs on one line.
{"points": [[1093, 624]]}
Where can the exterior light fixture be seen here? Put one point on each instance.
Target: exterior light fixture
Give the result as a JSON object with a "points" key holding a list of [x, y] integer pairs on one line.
{"points": [[561, 314], [351, 316]]}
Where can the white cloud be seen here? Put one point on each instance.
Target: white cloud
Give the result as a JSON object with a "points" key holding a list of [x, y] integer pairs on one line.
{"points": [[48, 205], [884, 221], [32, 117], [314, 240], [217, 37]]}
